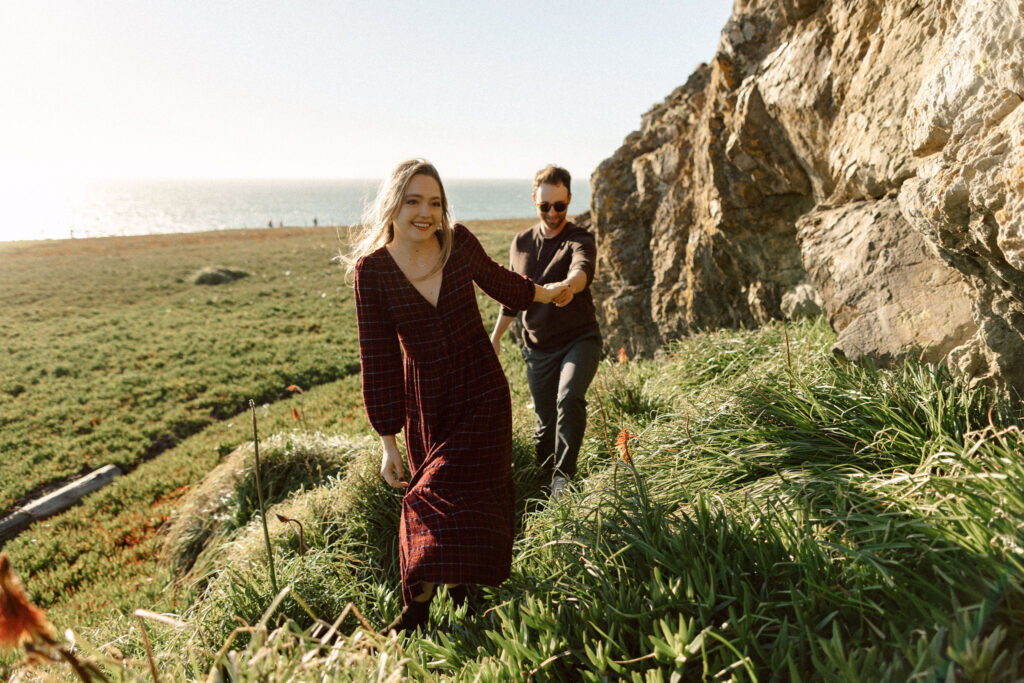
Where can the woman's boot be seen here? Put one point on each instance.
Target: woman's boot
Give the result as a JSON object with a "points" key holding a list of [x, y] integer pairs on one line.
{"points": [[459, 595], [412, 616]]}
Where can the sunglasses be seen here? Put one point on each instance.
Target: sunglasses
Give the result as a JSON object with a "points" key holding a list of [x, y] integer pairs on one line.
{"points": [[559, 206]]}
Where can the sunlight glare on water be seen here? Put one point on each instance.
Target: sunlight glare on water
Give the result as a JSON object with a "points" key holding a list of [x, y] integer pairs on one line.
{"points": [[58, 207], [36, 207]]}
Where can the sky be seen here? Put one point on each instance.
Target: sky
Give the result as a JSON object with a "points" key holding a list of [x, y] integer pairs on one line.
{"points": [[342, 89]]}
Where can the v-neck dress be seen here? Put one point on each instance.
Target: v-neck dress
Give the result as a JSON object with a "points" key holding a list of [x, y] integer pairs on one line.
{"points": [[450, 395]]}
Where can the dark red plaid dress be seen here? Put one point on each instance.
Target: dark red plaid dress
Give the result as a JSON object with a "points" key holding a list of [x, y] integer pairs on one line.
{"points": [[450, 394]]}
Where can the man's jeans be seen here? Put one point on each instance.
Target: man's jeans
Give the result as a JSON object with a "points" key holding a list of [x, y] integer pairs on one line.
{"points": [[558, 383]]}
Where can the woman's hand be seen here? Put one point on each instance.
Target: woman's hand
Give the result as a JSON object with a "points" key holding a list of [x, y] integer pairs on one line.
{"points": [[391, 467], [547, 293]]}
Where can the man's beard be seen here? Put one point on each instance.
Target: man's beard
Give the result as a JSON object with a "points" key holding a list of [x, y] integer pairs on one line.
{"points": [[553, 223]]}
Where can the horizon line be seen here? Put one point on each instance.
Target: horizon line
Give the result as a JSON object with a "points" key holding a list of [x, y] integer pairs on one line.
{"points": [[526, 179]]}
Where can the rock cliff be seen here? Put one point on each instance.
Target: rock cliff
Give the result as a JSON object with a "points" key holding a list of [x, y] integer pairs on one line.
{"points": [[865, 154]]}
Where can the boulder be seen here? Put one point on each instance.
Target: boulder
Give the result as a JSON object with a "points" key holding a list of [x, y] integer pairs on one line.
{"points": [[889, 293], [873, 149], [218, 275]]}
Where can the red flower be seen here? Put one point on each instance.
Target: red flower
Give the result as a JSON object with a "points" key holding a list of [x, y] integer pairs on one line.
{"points": [[622, 444], [622, 354], [295, 413], [21, 622], [292, 387]]}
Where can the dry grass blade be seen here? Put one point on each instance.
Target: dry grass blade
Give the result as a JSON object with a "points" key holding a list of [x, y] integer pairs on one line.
{"points": [[259, 493], [213, 675], [149, 649], [547, 662], [604, 416], [161, 618]]}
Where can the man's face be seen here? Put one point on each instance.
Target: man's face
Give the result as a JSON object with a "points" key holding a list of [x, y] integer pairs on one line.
{"points": [[546, 196]]}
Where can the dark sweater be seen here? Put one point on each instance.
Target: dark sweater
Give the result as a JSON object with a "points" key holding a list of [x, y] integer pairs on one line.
{"points": [[545, 326]]}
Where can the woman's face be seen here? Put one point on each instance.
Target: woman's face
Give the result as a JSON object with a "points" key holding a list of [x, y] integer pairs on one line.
{"points": [[419, 214]]}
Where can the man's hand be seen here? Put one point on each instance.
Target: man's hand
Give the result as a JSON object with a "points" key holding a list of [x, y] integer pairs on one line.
{"points": [[575, 283], [565, 297], [496, 344]]}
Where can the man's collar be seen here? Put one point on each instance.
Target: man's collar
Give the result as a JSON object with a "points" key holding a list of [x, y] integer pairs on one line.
{"points": [[539, 228]]}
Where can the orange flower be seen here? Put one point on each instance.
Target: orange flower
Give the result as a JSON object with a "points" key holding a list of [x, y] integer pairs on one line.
{"points": [[21, 622], [295, 413], [622, 354], [622, 443], [292, 387]]}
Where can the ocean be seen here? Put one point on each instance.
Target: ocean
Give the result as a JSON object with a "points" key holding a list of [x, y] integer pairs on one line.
{"points": [[139, 207]]}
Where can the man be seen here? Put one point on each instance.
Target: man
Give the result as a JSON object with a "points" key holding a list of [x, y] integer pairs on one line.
{"points": [[561, 342]]}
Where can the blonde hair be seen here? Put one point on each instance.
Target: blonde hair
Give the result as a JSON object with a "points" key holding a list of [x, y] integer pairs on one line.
{"points": [[378, 227]]}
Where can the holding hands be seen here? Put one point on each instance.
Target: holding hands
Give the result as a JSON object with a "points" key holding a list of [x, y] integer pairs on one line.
{"points": [[549, 293], [558, 293], [575, 282], [565, 297]]}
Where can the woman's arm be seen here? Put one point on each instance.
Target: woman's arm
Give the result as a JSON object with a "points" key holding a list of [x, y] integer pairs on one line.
{"points": [[512, 290], [544, 294], [380, 356]]}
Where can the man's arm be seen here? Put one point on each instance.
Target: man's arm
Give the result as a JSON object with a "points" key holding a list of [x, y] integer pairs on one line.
{"points": [[499, 329]]}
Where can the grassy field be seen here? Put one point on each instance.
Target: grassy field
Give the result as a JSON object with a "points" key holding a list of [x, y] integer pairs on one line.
{"points": [[784, 517], [113, 355]]}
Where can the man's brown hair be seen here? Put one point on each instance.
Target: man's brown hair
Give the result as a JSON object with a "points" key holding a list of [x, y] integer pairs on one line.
{"points": [[553, 175]]}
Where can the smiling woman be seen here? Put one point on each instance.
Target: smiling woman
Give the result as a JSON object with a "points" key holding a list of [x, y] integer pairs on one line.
{"points": [[427, 366]]}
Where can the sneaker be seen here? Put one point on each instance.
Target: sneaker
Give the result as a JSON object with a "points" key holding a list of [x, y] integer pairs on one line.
{"points": [[558, 484]]}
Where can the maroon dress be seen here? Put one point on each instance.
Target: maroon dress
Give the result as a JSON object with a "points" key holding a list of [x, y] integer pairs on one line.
{"points": [[451, 396]]}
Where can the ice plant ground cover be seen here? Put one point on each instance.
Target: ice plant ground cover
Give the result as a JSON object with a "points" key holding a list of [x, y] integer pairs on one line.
{"points": [[784, 517]]}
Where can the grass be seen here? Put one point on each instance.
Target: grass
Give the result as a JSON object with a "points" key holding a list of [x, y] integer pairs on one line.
{"points": [[135, 358], [123, 360], [788, 518]]}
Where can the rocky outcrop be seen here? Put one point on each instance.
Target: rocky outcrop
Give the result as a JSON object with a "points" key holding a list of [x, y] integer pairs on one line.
{"points": [[873, 150], [889, 294]]}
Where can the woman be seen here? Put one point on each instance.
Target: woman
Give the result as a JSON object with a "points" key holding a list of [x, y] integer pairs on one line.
{"points": [[414, 275]]}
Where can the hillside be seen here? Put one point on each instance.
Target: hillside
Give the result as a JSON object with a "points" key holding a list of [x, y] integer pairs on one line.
{"points": [[785, 516]]}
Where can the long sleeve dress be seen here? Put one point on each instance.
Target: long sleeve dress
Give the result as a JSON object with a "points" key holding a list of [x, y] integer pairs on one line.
{"points": [[450, 394]]}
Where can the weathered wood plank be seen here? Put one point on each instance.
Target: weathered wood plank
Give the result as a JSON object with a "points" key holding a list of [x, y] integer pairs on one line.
{"points": [[58, 501]]}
